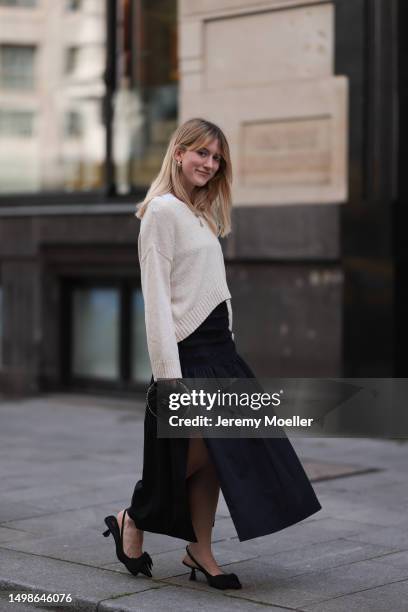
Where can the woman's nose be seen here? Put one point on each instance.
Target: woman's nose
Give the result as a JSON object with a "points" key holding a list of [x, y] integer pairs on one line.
{"points": [[210, 163]]}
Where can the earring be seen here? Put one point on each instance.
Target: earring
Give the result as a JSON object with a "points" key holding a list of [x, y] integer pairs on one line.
{"points": [[179, 163]]}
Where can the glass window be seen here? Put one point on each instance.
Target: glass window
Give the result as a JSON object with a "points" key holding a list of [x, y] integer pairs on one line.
{"points": [[141, 369], [64, 76], [145, 103], [95, 333], [22, 3], [17, 66], [71, 59], [17, 123], [73, 5], [73, 124], [66, 73]]}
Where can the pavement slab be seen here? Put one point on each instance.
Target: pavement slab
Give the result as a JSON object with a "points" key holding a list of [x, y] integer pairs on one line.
{"points": [[389, 597], [87, 585], [184, 600]]}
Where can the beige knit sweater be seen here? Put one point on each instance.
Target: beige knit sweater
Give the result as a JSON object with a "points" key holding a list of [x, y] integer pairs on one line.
{"points": [[183, 279]]}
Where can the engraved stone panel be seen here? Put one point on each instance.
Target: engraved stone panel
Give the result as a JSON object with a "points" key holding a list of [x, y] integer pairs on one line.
{"points": [[288, 140], [266, 47], [291, 152]]}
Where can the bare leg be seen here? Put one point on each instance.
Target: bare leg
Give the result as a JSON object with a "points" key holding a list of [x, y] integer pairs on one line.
{"points": [[203, 489], [132, 537]]}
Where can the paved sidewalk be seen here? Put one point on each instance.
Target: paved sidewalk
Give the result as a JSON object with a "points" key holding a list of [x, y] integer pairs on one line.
{"points": [[67, 461]]}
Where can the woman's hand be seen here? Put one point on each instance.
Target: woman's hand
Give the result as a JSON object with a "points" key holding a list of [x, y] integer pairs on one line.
{"points": [[159, 391]]}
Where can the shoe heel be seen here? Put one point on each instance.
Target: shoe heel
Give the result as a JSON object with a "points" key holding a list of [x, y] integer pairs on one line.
{"points": [[193, 574], [106, 533]]}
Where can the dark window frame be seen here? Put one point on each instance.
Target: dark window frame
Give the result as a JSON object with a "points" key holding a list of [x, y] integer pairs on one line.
{"points": [[70, 381]]}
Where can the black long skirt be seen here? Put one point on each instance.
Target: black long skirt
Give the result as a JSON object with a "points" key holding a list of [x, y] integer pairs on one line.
{"points": [[263, 482]]}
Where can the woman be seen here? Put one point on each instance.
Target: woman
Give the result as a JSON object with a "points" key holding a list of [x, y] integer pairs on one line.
{"points": [[188, 319]]}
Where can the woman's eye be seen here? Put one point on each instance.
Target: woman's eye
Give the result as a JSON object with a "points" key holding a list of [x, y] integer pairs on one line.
{"points": [[204, 154]]}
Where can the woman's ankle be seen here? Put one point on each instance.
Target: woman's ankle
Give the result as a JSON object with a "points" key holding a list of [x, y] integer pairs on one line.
{"points": [[203, 551], [204, 557]]}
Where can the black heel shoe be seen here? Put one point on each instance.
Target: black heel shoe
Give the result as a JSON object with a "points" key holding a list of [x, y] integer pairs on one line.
{"points": [[141, 564], [221, 581]]}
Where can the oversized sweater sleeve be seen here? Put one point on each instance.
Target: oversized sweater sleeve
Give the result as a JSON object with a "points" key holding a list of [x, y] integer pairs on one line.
{"points": [[156, 250]]}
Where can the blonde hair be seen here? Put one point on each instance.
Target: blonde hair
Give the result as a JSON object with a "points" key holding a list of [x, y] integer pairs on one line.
{"points": [[213, 201]]}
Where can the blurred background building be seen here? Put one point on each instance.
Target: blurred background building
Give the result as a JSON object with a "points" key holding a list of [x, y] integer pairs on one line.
{"points": [[311, 95]]}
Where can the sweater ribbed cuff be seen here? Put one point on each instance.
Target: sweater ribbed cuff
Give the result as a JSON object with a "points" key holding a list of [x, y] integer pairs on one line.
{"points": [[166, 369]]}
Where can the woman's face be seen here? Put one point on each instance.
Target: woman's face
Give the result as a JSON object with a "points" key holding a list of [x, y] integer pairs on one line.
{"points": [[198, 167]]}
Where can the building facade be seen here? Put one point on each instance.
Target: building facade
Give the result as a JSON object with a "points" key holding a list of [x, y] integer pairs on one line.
{"points": [[311, 97]]}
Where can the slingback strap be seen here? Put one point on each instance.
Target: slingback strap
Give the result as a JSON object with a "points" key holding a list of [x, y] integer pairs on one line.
{"points": [[122, 525]]}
